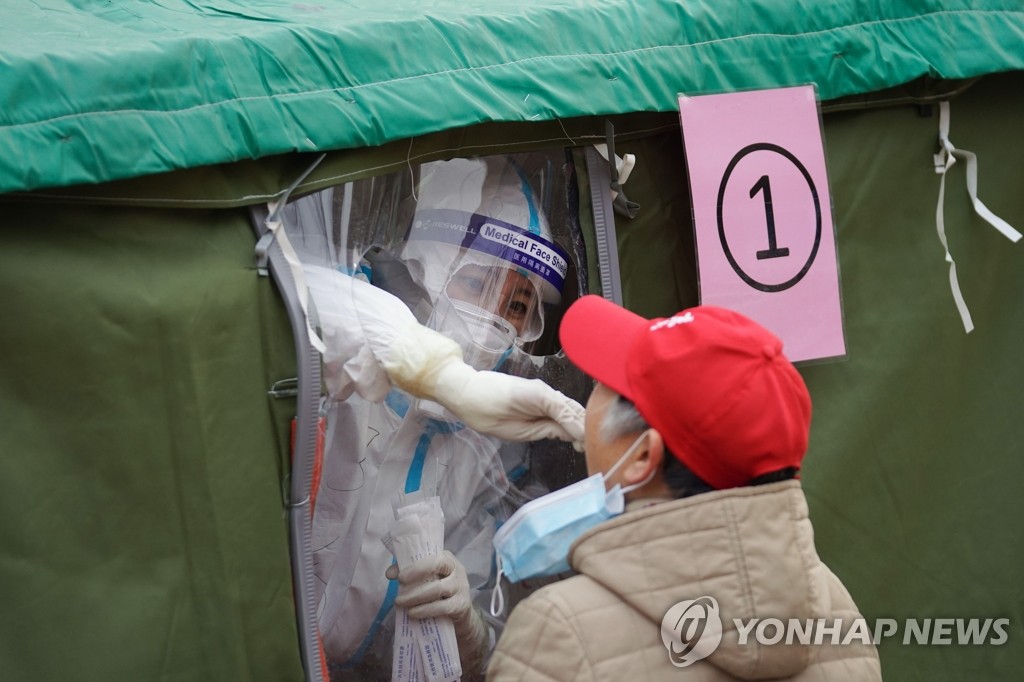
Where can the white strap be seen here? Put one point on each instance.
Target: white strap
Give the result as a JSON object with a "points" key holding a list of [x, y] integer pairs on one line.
{"points": [[945, 160], [623, 164], [274, 225], [948, 150], [961, 306], [497, 596]]}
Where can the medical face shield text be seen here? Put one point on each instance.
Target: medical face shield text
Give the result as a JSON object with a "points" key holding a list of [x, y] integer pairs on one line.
{"points": [[531, 252], [535, 541]]}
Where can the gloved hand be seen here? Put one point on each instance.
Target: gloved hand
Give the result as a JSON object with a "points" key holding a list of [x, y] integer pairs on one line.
{"points": [[437, 586], [428, 364], [509, 407]]}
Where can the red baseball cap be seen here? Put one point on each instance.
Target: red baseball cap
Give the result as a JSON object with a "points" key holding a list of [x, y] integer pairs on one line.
{"points": [[714, 383]]}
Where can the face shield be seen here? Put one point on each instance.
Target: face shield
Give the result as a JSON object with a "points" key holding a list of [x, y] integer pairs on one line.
{"points": [[481, 247]]}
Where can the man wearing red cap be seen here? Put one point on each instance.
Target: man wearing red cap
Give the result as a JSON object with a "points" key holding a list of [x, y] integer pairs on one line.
{"points": [[703, 423]]}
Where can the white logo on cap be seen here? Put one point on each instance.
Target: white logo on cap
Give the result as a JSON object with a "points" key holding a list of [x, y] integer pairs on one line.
{"points": [[673, 321]]}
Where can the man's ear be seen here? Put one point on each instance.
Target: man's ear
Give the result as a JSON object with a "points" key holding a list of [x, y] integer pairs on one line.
{"points": [[647, 464]]}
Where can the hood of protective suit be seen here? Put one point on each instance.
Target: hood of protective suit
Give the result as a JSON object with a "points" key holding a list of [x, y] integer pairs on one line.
{"points": [[483, 212], [750, 548]]}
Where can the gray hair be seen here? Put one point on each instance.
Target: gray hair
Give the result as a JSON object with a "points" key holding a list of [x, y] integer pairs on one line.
{"points": [[621, 419]]}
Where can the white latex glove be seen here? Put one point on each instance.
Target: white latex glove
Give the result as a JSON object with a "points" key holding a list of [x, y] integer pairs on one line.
{"points": [[511, 408], [428, 364], [437, 586]]}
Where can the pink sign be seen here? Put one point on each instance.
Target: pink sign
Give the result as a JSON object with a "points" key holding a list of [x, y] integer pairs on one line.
{"points": [[762, 214]]}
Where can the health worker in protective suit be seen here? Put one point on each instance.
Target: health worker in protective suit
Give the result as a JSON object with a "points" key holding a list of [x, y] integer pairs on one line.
{"points": [[423, 346]]}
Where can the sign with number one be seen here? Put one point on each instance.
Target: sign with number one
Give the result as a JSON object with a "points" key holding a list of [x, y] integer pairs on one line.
{"points": [[762, 214]]}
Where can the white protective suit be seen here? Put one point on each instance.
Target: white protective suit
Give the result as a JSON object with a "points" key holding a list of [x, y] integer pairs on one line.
{"points": [[383, 441]]}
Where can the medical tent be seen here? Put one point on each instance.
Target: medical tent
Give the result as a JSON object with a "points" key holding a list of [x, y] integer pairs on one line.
{"points": [[153, 491]]}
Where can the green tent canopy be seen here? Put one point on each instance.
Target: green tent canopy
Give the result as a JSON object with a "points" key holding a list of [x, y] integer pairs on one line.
{"points": [[94, 93]]}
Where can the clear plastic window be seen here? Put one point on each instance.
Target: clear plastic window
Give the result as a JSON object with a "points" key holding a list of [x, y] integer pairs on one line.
{"points": [[486, 250]]}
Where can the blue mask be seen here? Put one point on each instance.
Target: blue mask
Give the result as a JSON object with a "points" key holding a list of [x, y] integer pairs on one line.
{"points": [[535, 541]]}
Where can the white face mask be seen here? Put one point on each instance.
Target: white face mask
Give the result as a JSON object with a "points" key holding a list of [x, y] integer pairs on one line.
{"points": [[486, 339], [535, 541]]}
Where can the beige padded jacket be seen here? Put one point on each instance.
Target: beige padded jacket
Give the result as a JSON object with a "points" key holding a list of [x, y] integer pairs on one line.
{"points": [[752, 549]]}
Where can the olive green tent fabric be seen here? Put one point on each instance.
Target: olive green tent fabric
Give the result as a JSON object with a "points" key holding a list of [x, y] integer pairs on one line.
{"points": [[93, 92], [915, 465], [144, 533]]}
